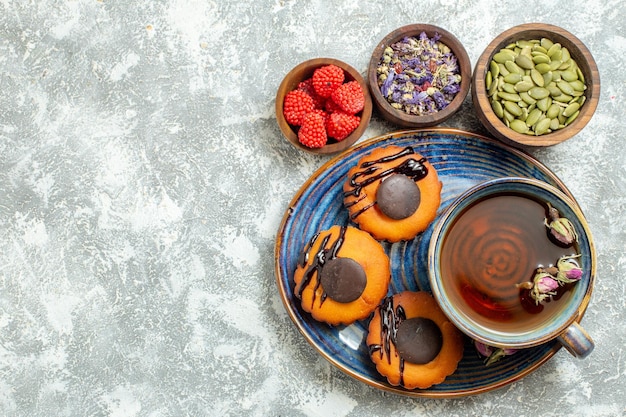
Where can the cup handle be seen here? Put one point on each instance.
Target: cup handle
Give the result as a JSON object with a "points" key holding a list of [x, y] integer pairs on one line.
{"points": [[577, 341]]}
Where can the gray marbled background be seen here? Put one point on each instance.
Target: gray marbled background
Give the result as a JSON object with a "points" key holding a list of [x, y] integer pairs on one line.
{"points": [[143, 179]]}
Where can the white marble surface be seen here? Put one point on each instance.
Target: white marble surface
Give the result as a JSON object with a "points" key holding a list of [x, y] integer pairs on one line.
{"points": [[143, 178]]}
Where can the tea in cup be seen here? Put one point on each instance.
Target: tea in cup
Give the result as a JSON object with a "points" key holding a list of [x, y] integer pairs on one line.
{"points": [[512, 265]]}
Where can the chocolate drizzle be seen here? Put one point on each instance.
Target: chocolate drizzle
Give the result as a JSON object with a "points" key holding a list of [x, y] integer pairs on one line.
{"points": [[370, 172], [418, 350], [390, 319], [323, 255]]}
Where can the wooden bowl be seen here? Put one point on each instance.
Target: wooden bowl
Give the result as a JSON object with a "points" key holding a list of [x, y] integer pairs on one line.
{"points": [[304, 71], [400, 117], [578, 52]]}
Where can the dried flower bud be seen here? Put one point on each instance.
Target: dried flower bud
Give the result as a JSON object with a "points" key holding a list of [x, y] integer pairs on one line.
{"points": [[483, 349], [560, 227], [492, 354], [544, 286], [569, 269]]}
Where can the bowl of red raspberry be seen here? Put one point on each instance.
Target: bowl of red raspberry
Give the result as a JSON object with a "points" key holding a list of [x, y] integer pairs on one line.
{"points": [[419, 75], [323, 106]]}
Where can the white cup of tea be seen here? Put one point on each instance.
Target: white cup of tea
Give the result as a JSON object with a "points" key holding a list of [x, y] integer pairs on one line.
{"points": [[496, 266]]}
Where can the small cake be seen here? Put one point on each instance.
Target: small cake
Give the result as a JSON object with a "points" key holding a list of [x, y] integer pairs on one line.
{"points": [[412, 342], [342, 275], [392, 193]]}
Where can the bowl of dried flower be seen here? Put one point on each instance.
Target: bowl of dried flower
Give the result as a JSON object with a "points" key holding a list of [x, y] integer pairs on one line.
{"points": [[419, 75], [323, 106], [535, 85]]}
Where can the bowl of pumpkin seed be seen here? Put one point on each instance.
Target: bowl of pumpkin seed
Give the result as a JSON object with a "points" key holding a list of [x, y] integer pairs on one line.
{"points": [[535, 85]]}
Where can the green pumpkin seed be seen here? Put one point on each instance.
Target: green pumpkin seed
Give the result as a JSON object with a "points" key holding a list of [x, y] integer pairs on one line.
{"points": [[572, 118], [504, 55], [581, 76], [543, 68], [581, 100], [508, 88], [537, 78], [494, 69], [540, 58], [571, 109], [555, 48], [538, 93], [544, 104], [513, 77], [524, 62], [488, 80], [524, 86], [565, 87], [497, 108], [533, 117], [554, 124], [546, 44], [513, 67], [508, 117], [527, 98], [554, 90], [566, 65], [509, 96], [542, 126], [578, 85], [493, 88], [555, 64], [553, 111], [557, 55], [565, 55], [569, 75], [524, 44], [547, 78], [512, 108], [518, 126], [563, 98], [503, 70]]}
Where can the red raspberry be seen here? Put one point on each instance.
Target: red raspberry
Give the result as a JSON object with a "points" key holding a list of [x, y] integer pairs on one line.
{"points": [[297, 103], [331, 107], [349, 97], [321, 113], [312, 133], [327, 79], [307, 87], [341, 125]]}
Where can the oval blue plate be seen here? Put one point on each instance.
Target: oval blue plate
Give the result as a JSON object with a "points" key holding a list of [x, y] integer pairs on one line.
{"points": [[462, 160]]}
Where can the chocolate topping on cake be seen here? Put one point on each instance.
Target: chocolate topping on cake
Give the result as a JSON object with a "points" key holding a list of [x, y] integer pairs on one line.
{"points": [[375, 170], [418, 340], [398, 196], [343, 279]]}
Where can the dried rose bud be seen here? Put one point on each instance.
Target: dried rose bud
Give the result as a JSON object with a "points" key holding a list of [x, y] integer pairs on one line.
{"points": [[560, 227], [492, 354], [544, 286], [483, 349], [569, 269]]}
